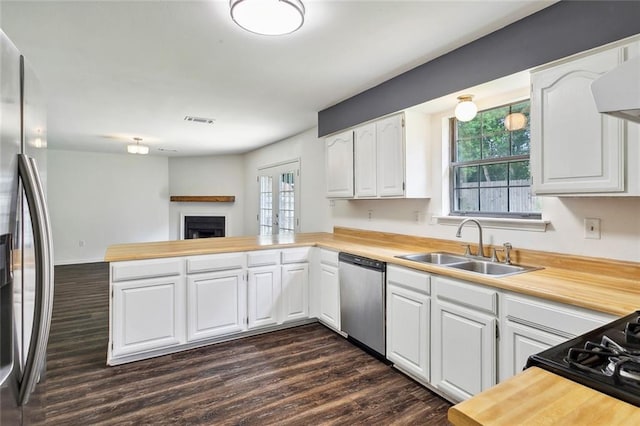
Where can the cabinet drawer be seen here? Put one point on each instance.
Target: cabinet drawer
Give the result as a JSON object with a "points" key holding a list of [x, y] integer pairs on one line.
{"points": [[569, 322], [329, 257], [215, 262], [138, 269], [263, 258], [408, 278], [460, 293], [296, 255]]}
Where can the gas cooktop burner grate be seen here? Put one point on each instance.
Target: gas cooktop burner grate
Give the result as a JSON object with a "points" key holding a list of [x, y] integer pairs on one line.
{"points": [[606, 359]]}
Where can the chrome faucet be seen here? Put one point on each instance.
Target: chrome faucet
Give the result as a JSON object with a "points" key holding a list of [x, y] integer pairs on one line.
{"points": [[480, 245]]}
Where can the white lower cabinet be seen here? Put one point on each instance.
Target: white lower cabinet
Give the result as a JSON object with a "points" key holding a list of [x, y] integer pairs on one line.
{"points": [[329, 289], [216, 304], [464, 355], [147, 314], [408, 320], [295, 292], [263, 294], [532, 325]]}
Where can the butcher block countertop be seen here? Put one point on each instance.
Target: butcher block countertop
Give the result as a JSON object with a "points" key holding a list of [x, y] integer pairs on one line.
{"points": [[600, 284], [538, 397], [534, 396]]}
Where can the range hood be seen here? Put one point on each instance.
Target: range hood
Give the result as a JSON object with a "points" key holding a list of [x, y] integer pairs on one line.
{"points": [[618, 92]]}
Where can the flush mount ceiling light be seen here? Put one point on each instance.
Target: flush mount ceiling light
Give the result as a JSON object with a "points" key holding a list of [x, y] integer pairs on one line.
{"points": [[136, 148], [466, 110], [515, 121], [268, 17]]}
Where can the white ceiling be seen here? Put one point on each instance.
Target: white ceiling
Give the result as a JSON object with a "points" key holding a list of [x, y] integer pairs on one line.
{"points": [[114, 70]]}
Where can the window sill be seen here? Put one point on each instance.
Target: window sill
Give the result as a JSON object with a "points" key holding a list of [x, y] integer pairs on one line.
{"points": [[534, 225]]}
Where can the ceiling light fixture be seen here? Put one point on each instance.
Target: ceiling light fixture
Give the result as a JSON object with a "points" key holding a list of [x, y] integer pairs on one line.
{"points": [[515, 121], [137, 148], [268, 17], [466, 110]]}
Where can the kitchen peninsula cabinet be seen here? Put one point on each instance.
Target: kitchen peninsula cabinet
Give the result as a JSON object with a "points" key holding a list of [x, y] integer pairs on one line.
{"points": [[147, 306], [408, 321], [575, 149], [216, 295], [263, 288], [464, 324]]}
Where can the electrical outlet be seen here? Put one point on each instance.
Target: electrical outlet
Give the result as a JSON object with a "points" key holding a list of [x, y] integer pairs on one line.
{"points": [[370, 214], [81, 243], [592, 228]]}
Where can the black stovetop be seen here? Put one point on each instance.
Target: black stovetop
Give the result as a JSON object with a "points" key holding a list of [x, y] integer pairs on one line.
{"points": [[606, 359]]}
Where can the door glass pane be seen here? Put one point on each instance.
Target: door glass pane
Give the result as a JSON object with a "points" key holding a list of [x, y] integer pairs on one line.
{"points": [[286, 216], [266, 205]]}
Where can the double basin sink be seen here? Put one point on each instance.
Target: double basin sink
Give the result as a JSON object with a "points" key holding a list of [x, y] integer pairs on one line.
{"points": [[482, 267]]}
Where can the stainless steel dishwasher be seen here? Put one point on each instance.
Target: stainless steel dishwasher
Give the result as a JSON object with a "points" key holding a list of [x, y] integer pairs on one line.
{"points": [[362, 300]]}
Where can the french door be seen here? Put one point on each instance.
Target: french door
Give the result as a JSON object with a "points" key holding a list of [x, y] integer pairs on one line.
{"points": [[279, 199]]}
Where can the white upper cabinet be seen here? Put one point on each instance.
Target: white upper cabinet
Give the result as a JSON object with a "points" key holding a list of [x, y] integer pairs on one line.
{"points": [[339, 165], [574, 148], [390, 159], [365, 159], [390, 150]]}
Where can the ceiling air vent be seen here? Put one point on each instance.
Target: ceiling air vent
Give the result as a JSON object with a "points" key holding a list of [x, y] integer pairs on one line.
{"points": [[199, 119]]}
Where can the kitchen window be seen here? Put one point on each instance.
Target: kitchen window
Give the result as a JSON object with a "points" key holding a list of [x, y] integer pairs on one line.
{"points": [[490, 173]]}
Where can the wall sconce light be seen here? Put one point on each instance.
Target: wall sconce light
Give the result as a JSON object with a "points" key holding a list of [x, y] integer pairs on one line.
{"points": [[137, 148], [515, 121], [466, 110]]}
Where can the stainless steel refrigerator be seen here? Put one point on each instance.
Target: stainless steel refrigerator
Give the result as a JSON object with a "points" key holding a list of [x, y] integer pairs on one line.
{"points": [[26, 254]]}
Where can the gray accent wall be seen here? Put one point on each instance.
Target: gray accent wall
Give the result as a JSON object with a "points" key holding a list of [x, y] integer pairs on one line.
{"points": [[563, 29]]}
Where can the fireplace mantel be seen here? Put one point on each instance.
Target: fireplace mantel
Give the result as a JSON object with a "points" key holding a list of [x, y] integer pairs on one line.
{"points": [[204, 198]]}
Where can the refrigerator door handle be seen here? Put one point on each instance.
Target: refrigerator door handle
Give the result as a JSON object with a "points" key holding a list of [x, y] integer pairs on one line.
{"points": [[43, 248]]}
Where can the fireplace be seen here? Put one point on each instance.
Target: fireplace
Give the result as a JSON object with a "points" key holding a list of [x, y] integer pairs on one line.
{"points": [[204, 227]]}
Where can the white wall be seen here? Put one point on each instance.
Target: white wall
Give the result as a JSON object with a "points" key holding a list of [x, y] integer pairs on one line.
{"points": [[211, 175], [314, 210], [96, 200], [620, 217]]}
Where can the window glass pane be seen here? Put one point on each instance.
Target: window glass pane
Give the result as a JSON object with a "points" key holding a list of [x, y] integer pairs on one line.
{"points": [[520, 142], [286, 216], [494, 200], [468, 149], [521, 200], [493, 174], [519, 173], [493, 120], [266, 205], [466, 200], [469, 128], [467, 177], [496, 145]]}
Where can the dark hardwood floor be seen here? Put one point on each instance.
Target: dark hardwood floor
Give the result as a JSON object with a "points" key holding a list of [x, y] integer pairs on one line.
{"points": [[307, 375]]}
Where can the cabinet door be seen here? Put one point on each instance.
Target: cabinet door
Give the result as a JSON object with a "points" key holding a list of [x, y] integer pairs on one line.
{"points": [[295, 292], [216, 304], [574, 148], [365, 161], [390, 165], [464, 356], [408, 330], [339, 165], [521, 342], [147, 314], [330, 296], [263, 295]]}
